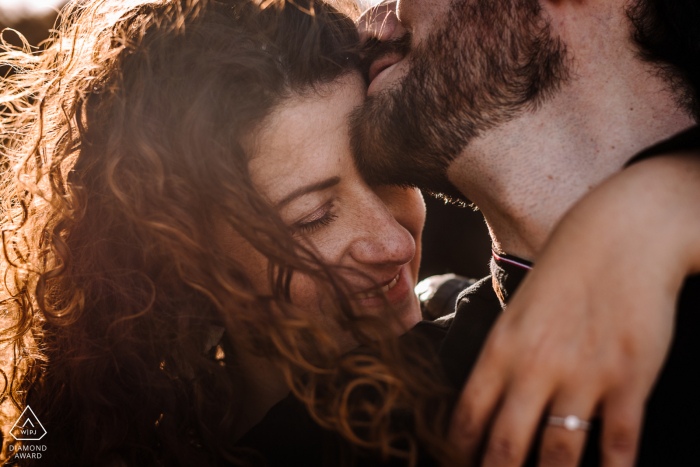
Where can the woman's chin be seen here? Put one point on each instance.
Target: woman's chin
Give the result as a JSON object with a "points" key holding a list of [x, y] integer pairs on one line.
{"points": [[409, 319]]}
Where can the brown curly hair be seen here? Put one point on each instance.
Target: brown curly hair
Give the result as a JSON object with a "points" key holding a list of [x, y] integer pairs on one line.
{"points": [[123, 153]]}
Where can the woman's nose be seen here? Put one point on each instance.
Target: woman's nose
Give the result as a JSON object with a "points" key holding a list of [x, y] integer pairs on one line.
{"points": [[382, 241]]}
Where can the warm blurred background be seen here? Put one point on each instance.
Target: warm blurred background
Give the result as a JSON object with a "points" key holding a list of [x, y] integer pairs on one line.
{"points": [[33, 18], [455, 239]]}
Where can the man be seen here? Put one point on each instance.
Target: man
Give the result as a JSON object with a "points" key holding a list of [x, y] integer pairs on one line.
{"points": [[522, 107]]}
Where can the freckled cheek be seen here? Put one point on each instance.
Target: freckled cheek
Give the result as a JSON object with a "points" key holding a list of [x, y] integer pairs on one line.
{"points": [[305, 293], [316, 303], [415, 262], [418, 220], [414, 222]]}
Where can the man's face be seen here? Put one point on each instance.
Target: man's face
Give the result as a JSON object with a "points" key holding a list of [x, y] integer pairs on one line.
{"points": [[468, 66]]}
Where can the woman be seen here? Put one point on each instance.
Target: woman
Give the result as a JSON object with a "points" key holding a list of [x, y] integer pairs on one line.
{"points": [[167, 193], [186, 237]]}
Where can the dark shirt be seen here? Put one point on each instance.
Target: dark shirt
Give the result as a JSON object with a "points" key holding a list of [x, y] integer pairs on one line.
{"points": [[438, 294], [670, 433], [287, 436]]}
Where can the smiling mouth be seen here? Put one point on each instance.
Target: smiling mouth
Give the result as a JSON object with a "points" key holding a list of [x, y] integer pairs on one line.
{"points": [[379, 291]]}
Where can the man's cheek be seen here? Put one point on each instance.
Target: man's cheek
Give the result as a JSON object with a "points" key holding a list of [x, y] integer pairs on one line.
{"points": [[422, 16]]}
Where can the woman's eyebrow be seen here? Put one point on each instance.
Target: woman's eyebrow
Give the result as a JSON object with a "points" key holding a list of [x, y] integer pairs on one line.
{"points": [[322, 185]]}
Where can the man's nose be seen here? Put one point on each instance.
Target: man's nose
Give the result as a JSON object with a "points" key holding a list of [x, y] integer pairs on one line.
{"points": [[382, 241], [379, 22]]}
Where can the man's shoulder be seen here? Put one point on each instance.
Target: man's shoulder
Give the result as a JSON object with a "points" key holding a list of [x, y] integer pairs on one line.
{"points": [[473, 292], [438, 294], [479, 293], [466, 329]]}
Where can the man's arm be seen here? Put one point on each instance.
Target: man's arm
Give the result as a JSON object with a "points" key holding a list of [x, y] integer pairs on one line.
{"points": [[589, 335]]}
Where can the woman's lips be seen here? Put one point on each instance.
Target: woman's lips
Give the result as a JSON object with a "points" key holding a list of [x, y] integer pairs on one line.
{"points": [[380, 290], [393, 292]]}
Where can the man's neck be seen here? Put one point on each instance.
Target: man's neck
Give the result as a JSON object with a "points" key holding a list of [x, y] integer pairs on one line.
{"points": [[525, 174]]}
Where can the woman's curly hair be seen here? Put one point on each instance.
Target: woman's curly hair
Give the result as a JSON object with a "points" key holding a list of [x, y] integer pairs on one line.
{"points": [[122, 156]]}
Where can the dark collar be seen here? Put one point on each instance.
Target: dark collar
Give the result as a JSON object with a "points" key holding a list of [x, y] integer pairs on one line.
{"points": [[507, 272]]}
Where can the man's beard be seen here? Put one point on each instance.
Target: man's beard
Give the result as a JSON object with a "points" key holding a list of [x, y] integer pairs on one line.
{"points": [[489, 61]]}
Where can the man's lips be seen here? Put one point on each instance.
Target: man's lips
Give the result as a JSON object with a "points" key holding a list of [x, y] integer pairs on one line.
{"points": [[379, 58], [378, 290], [382, 64]]}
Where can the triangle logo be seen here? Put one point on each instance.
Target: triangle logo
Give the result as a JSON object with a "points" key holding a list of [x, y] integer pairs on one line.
{"points": [[28, 427]]}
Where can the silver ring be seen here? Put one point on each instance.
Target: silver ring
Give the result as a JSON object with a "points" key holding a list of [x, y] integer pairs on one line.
{"points": [[570, 422]]}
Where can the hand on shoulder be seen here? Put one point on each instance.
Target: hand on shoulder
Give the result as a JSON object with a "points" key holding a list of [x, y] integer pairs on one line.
{"points": [[589, 329]]}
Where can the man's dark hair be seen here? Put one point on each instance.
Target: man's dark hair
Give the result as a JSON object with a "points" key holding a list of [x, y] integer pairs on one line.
{"points": [[668, 34]]}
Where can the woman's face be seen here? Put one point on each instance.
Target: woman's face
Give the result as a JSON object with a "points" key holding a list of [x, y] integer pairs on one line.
{"points": [[302, 163]]}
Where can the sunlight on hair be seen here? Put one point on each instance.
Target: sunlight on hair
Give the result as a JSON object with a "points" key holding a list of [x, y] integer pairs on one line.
{"points": [[365, 4]]}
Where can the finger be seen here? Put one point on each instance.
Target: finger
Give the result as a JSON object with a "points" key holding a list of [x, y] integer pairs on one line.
{"points": [[475, 407], [622, 424], [561, 445], [516, 422], [379, 21]]}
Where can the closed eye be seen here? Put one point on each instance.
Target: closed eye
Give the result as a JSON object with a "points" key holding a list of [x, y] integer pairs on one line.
{"points": [[322, 217]]}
